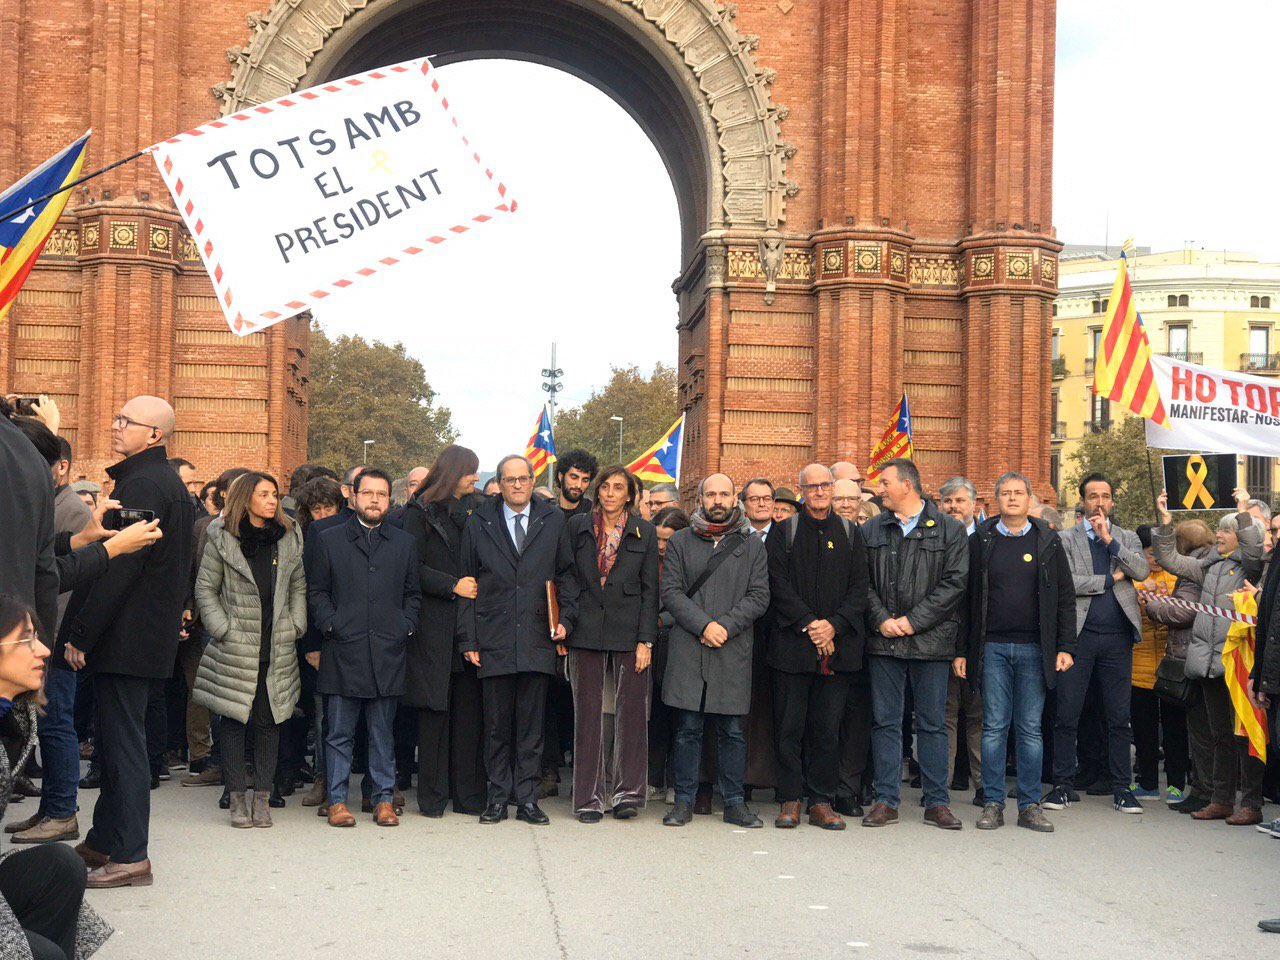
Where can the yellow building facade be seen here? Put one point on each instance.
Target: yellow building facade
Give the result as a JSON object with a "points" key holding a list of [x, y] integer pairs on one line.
{"points": [[1217, 308]]}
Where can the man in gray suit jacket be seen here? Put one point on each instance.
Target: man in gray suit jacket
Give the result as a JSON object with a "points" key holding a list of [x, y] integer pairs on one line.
{"points": [[1104, 561]]}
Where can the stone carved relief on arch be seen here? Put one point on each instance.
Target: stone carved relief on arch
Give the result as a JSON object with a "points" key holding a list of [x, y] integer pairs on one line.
{"points": [[285, 38]]}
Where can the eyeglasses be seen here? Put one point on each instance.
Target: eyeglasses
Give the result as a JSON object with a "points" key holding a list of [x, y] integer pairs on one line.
{"points": [[30, 641], [516, 481], [374, 495], [758, 501], [846, 499], [823, 486], [120, 421]]}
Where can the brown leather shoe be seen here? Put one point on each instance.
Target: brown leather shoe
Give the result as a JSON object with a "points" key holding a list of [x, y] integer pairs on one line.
{"points": [[1245, 817], [340, 816], [112, 874], [20, 825], [788, 816], [315, 797], [385, 815], [91, 857], [942, 817], [880, 815], [1214, 811], [821, 815]]}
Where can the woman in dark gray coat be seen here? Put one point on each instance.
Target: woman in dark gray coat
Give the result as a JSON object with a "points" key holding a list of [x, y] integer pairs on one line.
{"points": [[615, 561], [435, 518], [252, 597]]}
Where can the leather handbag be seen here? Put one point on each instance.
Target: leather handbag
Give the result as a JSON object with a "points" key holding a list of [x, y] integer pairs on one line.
{"points": [[1171, 682]]}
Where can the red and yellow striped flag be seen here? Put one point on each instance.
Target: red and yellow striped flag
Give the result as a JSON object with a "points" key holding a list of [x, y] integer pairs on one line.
{"points": [[1237, 658], [1122, 370]]}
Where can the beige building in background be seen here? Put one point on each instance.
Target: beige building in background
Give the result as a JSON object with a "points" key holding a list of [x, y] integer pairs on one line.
{"points": [[1218, 308]]}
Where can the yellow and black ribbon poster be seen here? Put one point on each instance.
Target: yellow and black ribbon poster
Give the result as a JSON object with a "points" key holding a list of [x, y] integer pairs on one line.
{"points": [[1200, 481]]}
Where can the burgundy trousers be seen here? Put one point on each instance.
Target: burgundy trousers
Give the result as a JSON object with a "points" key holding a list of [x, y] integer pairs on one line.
{"points": [[594, 675]]}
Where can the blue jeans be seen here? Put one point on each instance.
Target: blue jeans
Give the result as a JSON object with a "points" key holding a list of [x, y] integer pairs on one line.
{"points": [[343, 713], [888, 693], [731, 751], [59, 746], [1013, 691]]}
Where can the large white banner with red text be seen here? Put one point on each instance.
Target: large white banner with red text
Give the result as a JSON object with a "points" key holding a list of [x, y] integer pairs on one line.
{"points": [[293, 201], [1215, 410]]}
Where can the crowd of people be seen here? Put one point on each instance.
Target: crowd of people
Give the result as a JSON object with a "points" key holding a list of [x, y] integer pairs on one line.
{"points": [[821, 646]]}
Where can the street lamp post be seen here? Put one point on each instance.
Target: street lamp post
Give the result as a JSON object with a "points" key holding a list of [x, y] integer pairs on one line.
{"points": [[619, 419], [366, 450]]}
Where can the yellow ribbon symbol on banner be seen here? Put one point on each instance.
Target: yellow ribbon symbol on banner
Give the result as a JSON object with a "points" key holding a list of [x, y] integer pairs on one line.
{"points": [[379, 162], [1197, 473]]}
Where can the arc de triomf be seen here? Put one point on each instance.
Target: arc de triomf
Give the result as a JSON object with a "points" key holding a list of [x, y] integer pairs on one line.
{"points": [[864, 190]]}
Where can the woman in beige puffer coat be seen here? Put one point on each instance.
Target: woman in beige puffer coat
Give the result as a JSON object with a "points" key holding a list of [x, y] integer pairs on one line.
{"points": [[251, 593]]}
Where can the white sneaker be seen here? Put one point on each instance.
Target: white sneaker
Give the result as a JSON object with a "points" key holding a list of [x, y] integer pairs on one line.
{"points": [[1271, 826]]}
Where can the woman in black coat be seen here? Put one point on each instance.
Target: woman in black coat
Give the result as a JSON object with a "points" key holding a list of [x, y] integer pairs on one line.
{"points": [[615, 561], [444, 690]]}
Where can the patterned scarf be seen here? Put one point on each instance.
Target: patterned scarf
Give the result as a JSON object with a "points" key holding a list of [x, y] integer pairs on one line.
{"points": [[707, 530], [607, 541]]}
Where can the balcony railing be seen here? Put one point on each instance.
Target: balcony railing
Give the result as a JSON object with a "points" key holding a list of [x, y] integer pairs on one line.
{"points": [[1260, 362], [1185, 356], [1060, 368], [1097, 426], [1060, 430], [1088, 366]]}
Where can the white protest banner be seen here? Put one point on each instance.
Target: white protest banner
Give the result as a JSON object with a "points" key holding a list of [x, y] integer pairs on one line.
{"points": [[1215, 410], [297, 199]]}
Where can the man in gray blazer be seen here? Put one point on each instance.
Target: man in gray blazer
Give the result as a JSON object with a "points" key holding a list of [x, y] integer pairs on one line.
{"points": [[1104, 561]]}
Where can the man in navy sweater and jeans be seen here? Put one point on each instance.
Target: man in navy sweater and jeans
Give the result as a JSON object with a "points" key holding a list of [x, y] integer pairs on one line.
{"points": [[1104, 560]]}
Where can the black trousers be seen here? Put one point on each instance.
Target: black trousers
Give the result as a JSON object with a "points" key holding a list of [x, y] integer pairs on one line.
{"points": [[1109, 656], [467, 779], [807, 711], [1158, 724], [266, 743], [433, 761], [44, 887], [855, 737], [123, 811], [514, 714], [157, 725]]}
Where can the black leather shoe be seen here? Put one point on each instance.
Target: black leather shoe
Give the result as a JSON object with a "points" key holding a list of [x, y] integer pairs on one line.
{"points": [[740, 815], [590, 816], [679, 814], [848, 807], [494, 813], [625, 811], [1269, 926], [532, 813], [224, 801], [92, 779], [276, 800]]}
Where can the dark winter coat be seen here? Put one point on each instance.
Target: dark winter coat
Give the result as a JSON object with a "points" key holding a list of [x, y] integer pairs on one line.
{"points": [[624, 611], [1056, 597], [1266, 664], [28, 570], [130, 620], [363, 593], [507, 622], [436, 529], [923, 577], [794, 588]]}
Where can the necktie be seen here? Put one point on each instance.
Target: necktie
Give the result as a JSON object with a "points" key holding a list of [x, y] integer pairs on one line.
{"points": [[519, 533]]}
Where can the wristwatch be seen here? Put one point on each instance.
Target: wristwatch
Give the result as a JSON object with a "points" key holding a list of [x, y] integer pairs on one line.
{"points": [[648, 643]]}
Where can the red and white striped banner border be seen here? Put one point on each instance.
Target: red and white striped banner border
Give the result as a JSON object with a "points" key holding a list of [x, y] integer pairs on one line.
{"points": [[196, 223], [1223, 612]]}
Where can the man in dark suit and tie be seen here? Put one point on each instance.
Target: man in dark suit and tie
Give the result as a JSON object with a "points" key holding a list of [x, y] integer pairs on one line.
{"points": [[513, 545]]}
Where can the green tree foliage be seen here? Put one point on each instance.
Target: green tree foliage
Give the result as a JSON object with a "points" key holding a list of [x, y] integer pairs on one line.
{"points": [[647, 405], [1120, 454], [368, 390]]}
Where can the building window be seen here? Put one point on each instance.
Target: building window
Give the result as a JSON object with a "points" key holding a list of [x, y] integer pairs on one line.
{"points": [[1260, 303], [1178, 338], [1054, 479], [1258, 472], [1053, 408], [1099, 413], [1260, 341], [1173, 300], [1055, 310], [1057, 347]]}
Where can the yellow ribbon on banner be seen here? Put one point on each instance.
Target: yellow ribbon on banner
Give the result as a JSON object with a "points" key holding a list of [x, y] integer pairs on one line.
{"points": [[1197, 473], [380, 163]]}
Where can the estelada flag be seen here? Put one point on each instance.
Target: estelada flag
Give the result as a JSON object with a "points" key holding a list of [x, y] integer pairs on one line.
{"points": [[661, 462], [23, 236], [1122, 371], [895, 442], [1237, 658], [541, 448]]}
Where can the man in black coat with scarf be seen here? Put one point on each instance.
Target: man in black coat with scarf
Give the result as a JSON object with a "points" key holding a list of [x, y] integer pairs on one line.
{"points": [[513, 546], [126, 633], [818, 602]]}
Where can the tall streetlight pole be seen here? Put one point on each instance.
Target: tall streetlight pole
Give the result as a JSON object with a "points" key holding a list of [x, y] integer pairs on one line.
{"points": [[366, 450], [551, 383], [619, 419]]}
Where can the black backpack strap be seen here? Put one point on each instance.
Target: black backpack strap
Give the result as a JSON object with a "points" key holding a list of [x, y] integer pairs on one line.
{"points": [[718, 556]]}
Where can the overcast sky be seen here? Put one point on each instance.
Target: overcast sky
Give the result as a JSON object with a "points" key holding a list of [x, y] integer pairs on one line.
{"points": [[1163, 113]]}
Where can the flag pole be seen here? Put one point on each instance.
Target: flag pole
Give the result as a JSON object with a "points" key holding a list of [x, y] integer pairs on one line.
{"points": [[63, 189]]}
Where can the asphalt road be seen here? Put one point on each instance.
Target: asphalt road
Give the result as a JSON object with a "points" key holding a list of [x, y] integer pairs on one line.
{"points": [[1104, 885]]}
